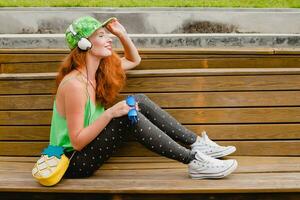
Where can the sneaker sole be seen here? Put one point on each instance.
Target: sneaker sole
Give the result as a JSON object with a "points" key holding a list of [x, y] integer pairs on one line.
{"points": [[223, 153], [217, 175]]}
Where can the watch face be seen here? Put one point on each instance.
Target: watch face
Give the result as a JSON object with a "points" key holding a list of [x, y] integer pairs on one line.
{"points": [[130, 101], [132, 115]]}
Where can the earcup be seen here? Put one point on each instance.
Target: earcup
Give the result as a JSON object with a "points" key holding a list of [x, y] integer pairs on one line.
{"points": [[84, 44]]}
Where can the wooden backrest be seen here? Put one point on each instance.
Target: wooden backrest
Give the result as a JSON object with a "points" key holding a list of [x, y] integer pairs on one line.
{"points": [[256, 109], [47, 60]]}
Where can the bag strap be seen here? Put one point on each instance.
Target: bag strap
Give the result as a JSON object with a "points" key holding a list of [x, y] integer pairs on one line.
{"points": [[72, 154]]}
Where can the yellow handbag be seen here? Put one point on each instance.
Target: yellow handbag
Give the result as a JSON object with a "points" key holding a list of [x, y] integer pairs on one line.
{"points": [[51, 166]]}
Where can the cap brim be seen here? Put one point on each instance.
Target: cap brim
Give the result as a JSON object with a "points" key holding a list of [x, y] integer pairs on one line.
{"points": [[107, 21]]}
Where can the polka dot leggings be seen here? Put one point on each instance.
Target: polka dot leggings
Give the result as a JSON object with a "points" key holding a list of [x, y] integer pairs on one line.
{"points": [[156, 130]]}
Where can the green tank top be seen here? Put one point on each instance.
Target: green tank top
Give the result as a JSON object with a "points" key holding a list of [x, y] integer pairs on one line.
{"points": [[59, 134]]}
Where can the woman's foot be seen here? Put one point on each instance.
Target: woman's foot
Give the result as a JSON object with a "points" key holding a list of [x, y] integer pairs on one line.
{"points": [[208, 147], [204, 166]]}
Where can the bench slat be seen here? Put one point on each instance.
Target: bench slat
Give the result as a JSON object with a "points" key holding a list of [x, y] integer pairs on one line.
{"points": [[173, 100], [185, 116], [173, 181], [41, 57], [37, 67], [28, 66], [221, 62], [167, 51], [246, 164], [247, 148], [170, 84], [14, 57], [167, 73], [57, 57], [215, 132]]}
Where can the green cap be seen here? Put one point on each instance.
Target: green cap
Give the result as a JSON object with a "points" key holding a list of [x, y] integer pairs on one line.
{"points": [[83, 27]]}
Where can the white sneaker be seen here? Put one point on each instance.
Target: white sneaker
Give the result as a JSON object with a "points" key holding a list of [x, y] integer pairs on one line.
{"points": [[208, 147], [204, 166]]}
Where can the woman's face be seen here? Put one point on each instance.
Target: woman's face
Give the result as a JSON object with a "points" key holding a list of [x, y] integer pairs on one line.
{"points": [[102, 43]]}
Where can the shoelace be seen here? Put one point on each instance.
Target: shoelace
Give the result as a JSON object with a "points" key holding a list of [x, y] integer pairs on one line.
{"points": [[206, 158], [208, 141]]}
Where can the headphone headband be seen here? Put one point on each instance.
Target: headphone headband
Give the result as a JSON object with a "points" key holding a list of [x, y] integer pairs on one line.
{"points": [[71, 29], [83, 43]]}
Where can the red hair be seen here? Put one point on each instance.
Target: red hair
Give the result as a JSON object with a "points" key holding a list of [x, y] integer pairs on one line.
{"points": [[110, 77]]}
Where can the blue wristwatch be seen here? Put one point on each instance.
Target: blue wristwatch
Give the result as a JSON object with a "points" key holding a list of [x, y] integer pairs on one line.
{"points": [[132, 114]]}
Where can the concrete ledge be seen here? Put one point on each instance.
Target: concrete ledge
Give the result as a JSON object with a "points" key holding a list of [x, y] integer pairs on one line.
{"points": [[155, 20], [56, 41]]}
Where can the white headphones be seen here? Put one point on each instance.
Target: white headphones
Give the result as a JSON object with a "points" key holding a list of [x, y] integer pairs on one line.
{"points": [[83, 43]]}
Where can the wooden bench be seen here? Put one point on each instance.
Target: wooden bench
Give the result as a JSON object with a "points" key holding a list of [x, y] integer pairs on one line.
{"points": [[255, 109]]}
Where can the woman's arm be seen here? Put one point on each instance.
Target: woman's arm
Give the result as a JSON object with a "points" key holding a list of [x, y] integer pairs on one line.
{"points": [[131, 55], [75, 100]]}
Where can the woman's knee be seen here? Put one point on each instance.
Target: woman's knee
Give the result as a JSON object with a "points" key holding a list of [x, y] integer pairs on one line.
{"points": [[117, 122], [140, 97]]}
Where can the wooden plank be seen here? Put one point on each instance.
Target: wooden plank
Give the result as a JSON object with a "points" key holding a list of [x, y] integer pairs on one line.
{"points": [[25, 117], [248, 131], [164, 56], [32, 67], [214, 83], [244, 148], [209, 72], [185, 116], [168, 73], [28, 76], [286, 51], [34, 51], [27, 87], [236, 115], [213, 56], [18, 58], [215, 132], [159, 51], [13, 133], [170, 84], [44, 57], [173, 100], [168, 63], [173, 181], [156, 58], [227, 62], [247, 164], [172, 172], [114, 159], [224, 99], [80, 196], [24, 102]]}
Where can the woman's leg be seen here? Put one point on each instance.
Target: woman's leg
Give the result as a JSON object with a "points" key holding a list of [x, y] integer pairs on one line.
{"points": [[91, 157], [85, 162], [157, 141], [164, 120]]}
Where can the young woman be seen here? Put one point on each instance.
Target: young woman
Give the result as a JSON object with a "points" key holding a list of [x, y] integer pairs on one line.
{"points": [[90, 128]]}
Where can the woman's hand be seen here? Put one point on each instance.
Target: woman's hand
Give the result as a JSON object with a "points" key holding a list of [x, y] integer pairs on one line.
{"points": [[116, 28], [121, 108]]}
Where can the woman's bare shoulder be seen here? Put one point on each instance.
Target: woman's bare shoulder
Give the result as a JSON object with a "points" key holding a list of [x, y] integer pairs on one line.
{"points": [[70, 83], [71, 80]]}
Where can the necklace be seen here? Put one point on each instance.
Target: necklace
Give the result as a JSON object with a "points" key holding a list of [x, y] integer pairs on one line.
{"points": [[87, 79]]}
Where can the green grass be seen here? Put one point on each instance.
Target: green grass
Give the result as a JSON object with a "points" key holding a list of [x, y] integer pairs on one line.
{"points": [[153, 3]]}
